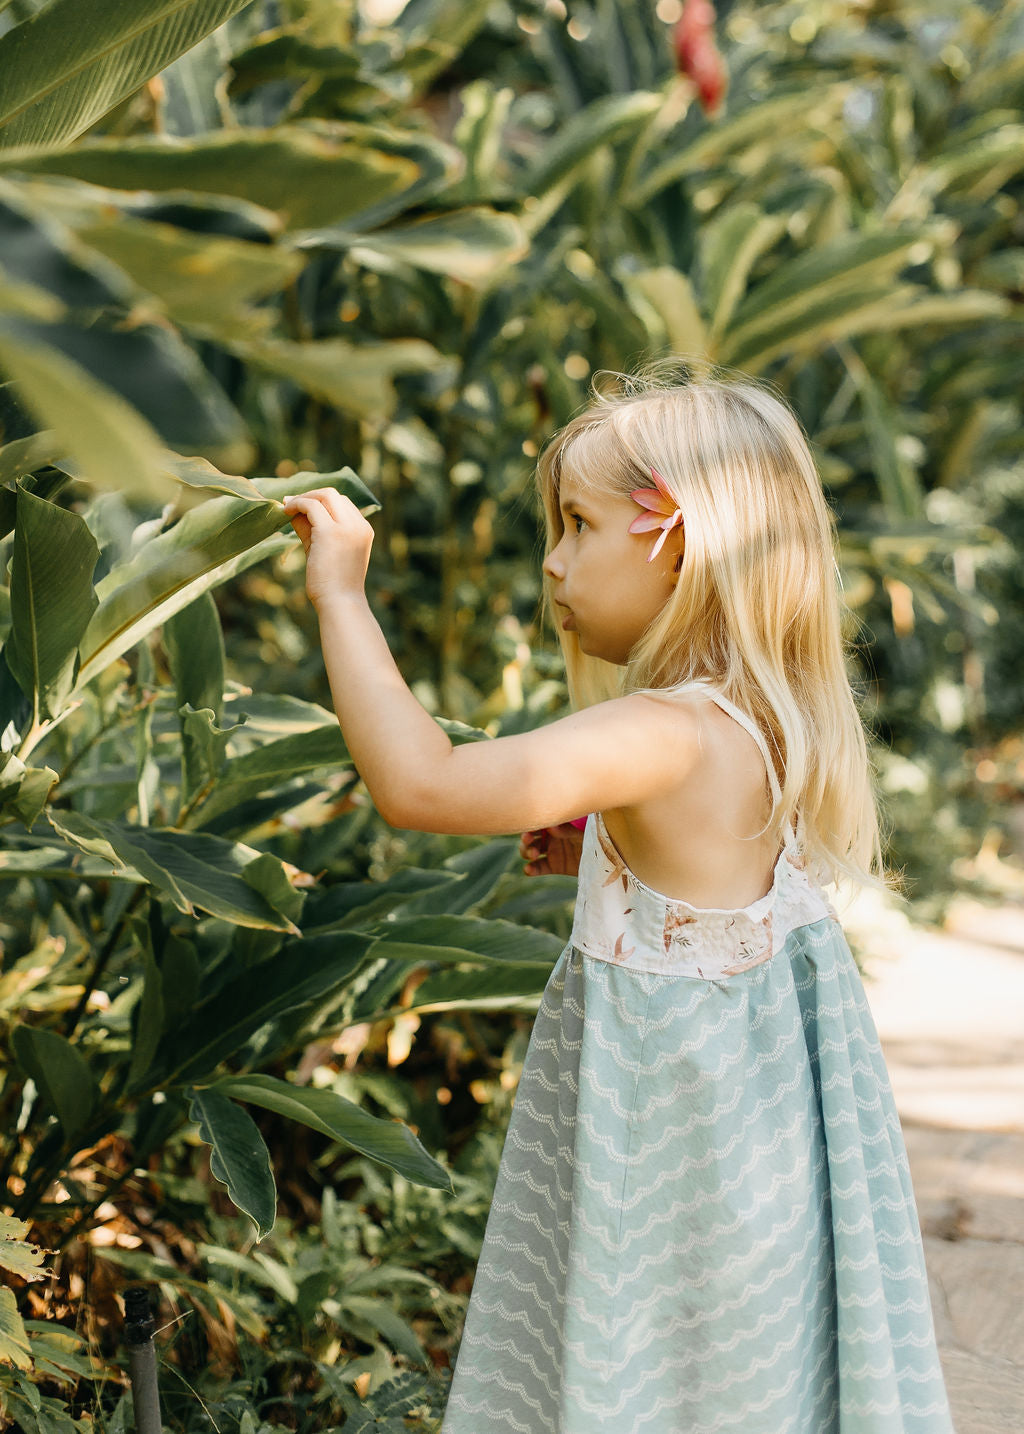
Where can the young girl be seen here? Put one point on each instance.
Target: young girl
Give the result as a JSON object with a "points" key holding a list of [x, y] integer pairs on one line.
{"points": [[703, 1219]]}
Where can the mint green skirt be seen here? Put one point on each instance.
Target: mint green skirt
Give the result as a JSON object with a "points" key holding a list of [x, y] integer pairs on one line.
{"points": [[703, 1219]]}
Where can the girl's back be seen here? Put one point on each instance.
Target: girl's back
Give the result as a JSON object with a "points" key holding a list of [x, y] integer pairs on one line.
{"points": [[698, 839]]}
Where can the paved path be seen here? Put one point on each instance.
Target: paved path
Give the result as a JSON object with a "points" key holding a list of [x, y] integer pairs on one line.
{"points": [[949, 1006]]}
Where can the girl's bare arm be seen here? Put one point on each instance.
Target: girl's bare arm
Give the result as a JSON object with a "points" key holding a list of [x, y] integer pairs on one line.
{"points": [[614, 754]]}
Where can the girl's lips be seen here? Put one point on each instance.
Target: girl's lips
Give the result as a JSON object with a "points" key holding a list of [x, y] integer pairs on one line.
{"points": [[569, 623]]}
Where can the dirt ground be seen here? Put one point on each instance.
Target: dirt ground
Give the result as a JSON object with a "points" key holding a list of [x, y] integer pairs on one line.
{"points": [[949, 1006]]}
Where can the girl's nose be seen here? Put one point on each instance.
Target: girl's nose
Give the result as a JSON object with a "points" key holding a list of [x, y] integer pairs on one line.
{"points": [[553, 565]]}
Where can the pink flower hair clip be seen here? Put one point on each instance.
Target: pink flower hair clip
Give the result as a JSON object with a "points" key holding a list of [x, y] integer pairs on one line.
{"points": [[662, 513]]}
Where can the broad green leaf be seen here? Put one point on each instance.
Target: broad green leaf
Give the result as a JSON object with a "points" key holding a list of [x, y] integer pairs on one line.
{"points": [[212, 542], [852, 262], [61, 1076], [149, 366], [110, 441], [204, 282], [479, 870], [382, 1318], [312, 175], [491, 988], [898, 483], [388, 1141], [355, 377], [664, 299], [301, 972], [17, 1255], [194, 644], [25, 455], [73, 60], [52, 600], [239, 1158], [730, 244], [194, 869], [38, 250], [463, 938], [601, 122], [24, 791], [779, 118], [59, 1353], [149, 1023], [179, 967], [14, 1345], [468, 244], [267, 875], [203, 751], [270, 765]]}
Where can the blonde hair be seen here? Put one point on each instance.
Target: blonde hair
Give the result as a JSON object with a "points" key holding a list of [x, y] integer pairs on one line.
{"points": [[757, 609]]}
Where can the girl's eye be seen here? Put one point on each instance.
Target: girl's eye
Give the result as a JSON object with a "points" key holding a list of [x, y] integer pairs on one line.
{"points": [[576, 519]]}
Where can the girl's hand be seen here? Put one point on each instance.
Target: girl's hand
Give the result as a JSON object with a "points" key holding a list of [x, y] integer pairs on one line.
{"points": [[552, 851], [337, 540]]}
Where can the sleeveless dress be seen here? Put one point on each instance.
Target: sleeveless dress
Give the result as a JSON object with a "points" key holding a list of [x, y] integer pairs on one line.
{"points": [[703, 1218]]}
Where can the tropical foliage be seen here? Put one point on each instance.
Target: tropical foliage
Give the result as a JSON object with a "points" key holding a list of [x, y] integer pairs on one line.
{"points": [[297, 241]]}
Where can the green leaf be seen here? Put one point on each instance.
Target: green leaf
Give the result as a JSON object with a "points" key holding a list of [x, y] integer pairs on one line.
{"points": [[211, 543], [387, 1141], [493, 988], [354, 377], [778, 116], [194, 869], [730, 244], [24, 791], [382, 1318], [17, 1255], [110, 441], [239, 1158], [194, 644], [463, 938], [179, 967], [149, 1023], [664, 299], [73, 60], [270, 766], [14, 1346], [203, 751], [301, 972], [601, 122], [312, 175], [61, 1076], [52, 600], [469, 244]]}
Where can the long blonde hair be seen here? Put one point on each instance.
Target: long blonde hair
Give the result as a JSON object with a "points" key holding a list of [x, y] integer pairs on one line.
{"points": [[757, 610]]}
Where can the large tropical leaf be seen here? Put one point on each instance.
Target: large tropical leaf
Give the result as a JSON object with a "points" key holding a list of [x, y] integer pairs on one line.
{"points": [[312, 175], [212, 542], [61, 1075], [388, 1141], [300, 972], [52, 600], [194, 869], [239, 1157], [74, 60]]}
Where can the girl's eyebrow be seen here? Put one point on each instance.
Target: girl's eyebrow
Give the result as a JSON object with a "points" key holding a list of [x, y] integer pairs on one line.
{"points": [[574, 500]]}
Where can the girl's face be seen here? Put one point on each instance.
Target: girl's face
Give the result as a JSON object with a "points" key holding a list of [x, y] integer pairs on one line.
{"points": [[605, 589]]}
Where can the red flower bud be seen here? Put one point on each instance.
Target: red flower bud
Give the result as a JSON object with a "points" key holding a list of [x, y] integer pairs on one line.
{"points": [[698, 56]]}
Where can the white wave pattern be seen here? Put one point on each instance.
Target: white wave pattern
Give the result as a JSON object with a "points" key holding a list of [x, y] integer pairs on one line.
{"points": [[689, 1237]]}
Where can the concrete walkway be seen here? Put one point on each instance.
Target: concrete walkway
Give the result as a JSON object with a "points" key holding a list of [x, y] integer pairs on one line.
{"points": [[949, 1006]]}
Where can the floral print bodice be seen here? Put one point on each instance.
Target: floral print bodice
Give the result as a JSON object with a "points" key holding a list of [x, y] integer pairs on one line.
{"points": [[620, 919]]}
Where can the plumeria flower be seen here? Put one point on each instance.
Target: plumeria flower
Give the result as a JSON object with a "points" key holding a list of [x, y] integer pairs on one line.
{"points": [[662, 512]]}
